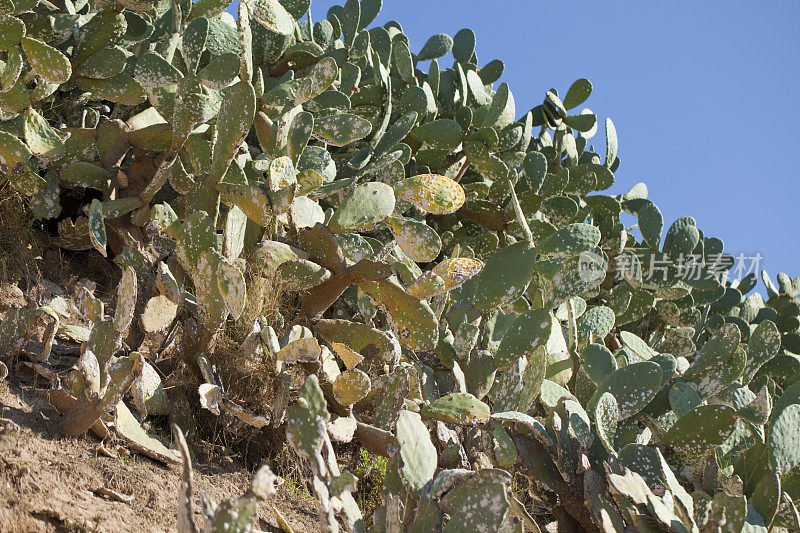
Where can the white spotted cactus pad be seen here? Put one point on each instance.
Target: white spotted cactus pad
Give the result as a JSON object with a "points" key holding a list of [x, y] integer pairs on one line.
{"points": [[505, 276], [633, 386], [272, 15], [47, 62], [529, 331], [341, 130]]}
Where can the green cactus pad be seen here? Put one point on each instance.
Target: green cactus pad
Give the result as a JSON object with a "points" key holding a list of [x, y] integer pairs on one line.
{"points": [[41, 138], [14, 154], [529, 331], [644, 461], [570, 240], [231, 285], [767, 496], [97, 228], [683, 397], [220, 71], [577, 93], [633, 386], [417, 452], [784, 439], [502, 110], [612, 143], [715, 354], [551, 393], [443, 134], [598, 362], [302, 428], [122, 89], [303, 274], [132, 432], [606, 418], [457, 408], [505, 276], [762, 346], [651, 222], [319, 78], [235, 117], [12, 30], [697, 432], [369, 204], [212, 304], [126, 300], [9, 75], [152, 70], [437, 46]]}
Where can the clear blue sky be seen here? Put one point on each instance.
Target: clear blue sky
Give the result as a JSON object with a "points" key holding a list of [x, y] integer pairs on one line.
{"points": [[705, 97]]}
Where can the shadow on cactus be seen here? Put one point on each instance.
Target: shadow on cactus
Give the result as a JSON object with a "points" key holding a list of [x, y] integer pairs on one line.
{"points": [[400, 263]]}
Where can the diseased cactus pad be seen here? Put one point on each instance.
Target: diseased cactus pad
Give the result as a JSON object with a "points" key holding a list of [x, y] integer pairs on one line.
{"points": [[341, 130], [303, 419], [505, 276], [351, 386], [454, 272], [432, 193], [476, 505], [272, 15], [417, 240]]}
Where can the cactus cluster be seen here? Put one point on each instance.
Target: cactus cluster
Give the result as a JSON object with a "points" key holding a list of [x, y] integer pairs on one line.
{"points": [[469, 302]]}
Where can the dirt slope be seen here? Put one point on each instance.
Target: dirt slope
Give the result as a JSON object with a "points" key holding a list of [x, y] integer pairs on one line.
{"points": [[48, 483]]}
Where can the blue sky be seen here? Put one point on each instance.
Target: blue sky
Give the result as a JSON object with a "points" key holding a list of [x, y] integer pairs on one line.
{"points": [[705, 97]]}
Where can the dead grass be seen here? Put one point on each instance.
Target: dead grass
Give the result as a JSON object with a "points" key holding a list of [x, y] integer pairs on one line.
{"points": [[19, 247], [268, 296], [247, 380]]}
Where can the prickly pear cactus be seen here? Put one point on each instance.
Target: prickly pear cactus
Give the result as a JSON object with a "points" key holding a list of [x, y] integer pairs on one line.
{"points": [[450, 279]]}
